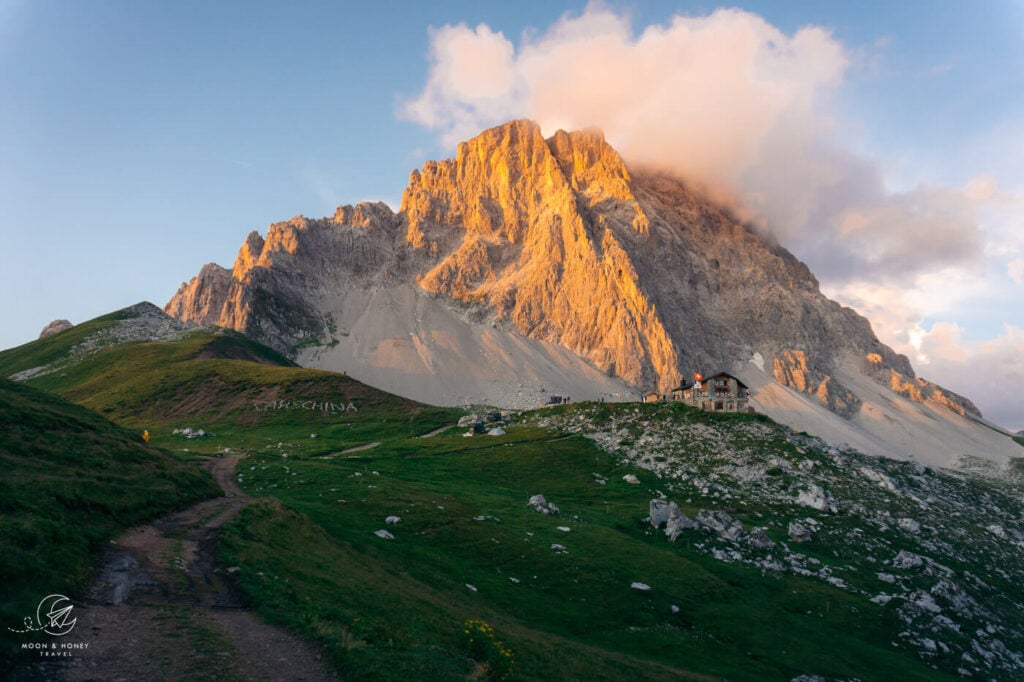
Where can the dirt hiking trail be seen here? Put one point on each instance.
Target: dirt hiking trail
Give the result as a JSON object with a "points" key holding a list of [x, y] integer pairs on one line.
{"points": [[161, 609]]}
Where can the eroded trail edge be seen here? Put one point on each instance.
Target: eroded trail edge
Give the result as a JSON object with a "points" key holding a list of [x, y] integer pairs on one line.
{"points": [[161, 608]]}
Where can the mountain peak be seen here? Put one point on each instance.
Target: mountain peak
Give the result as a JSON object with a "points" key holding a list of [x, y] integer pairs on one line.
{"points": [[551, 263]]}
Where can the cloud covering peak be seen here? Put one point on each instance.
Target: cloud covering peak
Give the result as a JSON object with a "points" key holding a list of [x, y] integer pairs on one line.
{"points": [[751, 114]]}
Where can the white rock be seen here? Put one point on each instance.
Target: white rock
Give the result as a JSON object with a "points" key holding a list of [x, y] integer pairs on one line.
{"points": [[641, 587], [815, 497], [392, 520], [675, 609], [384, 534], [907, 559], [677, 522], [540, 504], [909, 525], [721, 523], [471, 588], [630, 478], [659, 513], [496, 431], [564, 529], [996, 530], [559, 548], [798, 532], [878, 477]]}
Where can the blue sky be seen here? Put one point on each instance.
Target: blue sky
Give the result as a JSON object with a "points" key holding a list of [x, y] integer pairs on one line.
{"points": [[140, 140]]}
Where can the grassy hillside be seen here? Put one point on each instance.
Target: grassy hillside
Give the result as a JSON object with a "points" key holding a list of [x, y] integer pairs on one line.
{"points": [[469, 548], [902, 572], [240, 393], [70, 481]]}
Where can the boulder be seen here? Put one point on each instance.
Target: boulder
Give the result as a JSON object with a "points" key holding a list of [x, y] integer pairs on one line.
{"points": [[720, 523], [384, 535], [909, 525], [799, 532], [542, 505], [816, 497], [677, 522], [496, 431], [55, 327], [640, 587], [631, 479], [759, 539], [659, 513]]}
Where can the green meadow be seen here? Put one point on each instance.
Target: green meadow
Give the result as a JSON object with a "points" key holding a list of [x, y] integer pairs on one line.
{"points": [[473, 584]]}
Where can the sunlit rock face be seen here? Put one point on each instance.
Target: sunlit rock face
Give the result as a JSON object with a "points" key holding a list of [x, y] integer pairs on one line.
{"points": [[555, 242]]}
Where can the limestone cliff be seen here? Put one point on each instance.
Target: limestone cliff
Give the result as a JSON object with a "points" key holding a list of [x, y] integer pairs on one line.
{"points": [[558, 241]]}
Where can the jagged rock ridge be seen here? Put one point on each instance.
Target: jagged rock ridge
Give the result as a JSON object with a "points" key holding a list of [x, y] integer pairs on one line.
{"points": [[557, 241]]}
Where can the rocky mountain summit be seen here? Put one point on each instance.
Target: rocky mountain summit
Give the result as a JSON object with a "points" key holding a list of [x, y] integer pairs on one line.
{"points": [[526, 266]]}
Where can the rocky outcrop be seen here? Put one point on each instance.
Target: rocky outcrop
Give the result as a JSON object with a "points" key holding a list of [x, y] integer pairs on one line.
{"points": [[558, 241], [55, 327], [532, 229], [790, 368], [917, 389]]}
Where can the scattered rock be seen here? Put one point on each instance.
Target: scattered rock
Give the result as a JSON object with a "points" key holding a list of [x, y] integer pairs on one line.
{"points": [[798, 532], [542, 505], [759, 539], [907, 559], [909, 525], [816, 497], [190, 433]]}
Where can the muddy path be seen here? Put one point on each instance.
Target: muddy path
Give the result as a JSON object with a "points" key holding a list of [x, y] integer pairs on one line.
{"points": [[161, 608]]}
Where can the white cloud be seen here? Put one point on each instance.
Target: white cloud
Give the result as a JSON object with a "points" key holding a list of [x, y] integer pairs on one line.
{"points": [[703, 96], [1015, 269], [472, 82], [990, 372]]}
